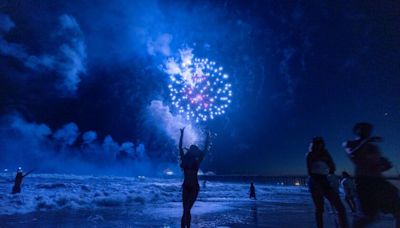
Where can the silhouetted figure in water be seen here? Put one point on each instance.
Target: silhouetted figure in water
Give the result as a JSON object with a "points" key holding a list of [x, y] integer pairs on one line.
{"points": [[18, 181], [204, 183], [374, 193], [349, 190], [190, 163], [319, 165], [252, 191]]}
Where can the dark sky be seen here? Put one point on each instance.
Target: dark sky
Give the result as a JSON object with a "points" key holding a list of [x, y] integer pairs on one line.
{"points": [[298, 69]]}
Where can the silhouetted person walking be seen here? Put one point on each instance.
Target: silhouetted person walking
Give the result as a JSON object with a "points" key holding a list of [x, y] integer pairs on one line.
{"points": [[252, 191], [319, 165], [349, 190], [190, 163], [374, 193], [18, 180]]}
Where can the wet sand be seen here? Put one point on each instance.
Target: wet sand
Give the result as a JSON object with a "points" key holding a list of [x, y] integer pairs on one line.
{"points": [[250, 214]]}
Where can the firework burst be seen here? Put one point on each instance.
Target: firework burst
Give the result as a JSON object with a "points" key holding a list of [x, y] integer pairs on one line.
{"points": [[199, 88]]}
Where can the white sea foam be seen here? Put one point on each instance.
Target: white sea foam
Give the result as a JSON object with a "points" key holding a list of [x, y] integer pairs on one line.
{"points": [[49, 192]]}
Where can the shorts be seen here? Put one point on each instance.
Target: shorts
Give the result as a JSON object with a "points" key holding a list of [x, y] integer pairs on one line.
{"points": [[319, 183]]}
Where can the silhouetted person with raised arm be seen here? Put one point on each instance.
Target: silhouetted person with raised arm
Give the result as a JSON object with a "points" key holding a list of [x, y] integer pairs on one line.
{"points": [[349, 189], [18, 180], [319, 165], [190, 164], [374, 193], [252, 191]]}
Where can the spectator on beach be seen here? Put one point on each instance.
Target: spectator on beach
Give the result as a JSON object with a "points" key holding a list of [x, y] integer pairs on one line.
{"points": [[190, 164], [349, 189], [252, 191], [374, 193], [319, 166]]}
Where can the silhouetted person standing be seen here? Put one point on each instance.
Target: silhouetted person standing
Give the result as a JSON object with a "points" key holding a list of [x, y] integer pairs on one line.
{"points": [[319, 165], [374, 193], [18, 181], [252, 191], [349, 190], [190, 164]]}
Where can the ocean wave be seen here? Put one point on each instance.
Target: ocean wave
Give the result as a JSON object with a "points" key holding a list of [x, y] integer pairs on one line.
{"points": [[49, 192]]}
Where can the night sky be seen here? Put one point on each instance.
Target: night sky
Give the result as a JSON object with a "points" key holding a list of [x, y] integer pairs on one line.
{"points": [[298, 69]]}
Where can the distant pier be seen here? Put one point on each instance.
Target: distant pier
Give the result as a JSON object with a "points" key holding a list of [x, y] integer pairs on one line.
{"points": [[272, 180]]}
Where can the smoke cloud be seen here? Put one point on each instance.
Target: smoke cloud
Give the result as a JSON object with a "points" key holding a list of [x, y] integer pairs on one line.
{"points": [[170, 124], [161, 45], [67, 134], [69, 62], [8, 48], [35, 146], [89, 137]]}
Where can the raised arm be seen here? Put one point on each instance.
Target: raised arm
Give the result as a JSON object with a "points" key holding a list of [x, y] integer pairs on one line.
{"points": [[207, 145], [26, 174], [352, 151], [182, 130]]}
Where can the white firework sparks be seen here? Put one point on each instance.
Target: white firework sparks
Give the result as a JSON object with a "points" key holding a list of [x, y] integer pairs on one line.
{"points": [[199, 88]]}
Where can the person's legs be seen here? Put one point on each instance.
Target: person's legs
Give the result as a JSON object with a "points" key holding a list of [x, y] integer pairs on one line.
{"points": [[397, 219], [389, 200], [192, 199], [334, 199], [350, 202], [183, 219], [185, 204], [252, 196], [362, 221], [318, 200], [353, 202], [366, 202]]}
